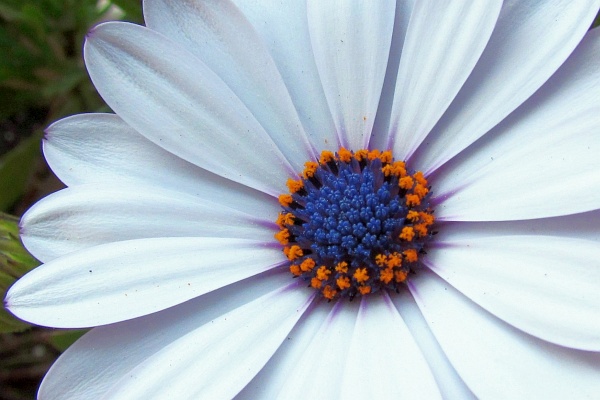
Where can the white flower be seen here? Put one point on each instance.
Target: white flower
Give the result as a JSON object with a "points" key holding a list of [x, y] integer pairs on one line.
{"points": [[164, 237]]}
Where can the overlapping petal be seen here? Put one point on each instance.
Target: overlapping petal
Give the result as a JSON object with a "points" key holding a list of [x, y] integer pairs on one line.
{"points": [[219, 358], [434, 65], [488, 353], [351, 43], [220, 35], [283, 27], [102, 148], [530, 41], [89, 215], [383, 357], [172, 98], [547, 286], [273, 379], [542, 161], [123, 280], [449, 383], [90, 365], [319, 372]]}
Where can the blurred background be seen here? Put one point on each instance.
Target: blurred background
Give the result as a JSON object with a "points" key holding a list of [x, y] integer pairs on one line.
{"points": [[42, 79]]}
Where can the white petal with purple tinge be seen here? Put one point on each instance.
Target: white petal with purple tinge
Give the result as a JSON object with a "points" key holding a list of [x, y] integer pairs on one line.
{"points": [[542, 161], [123, 280], [102, 148], [172, 98], [490, 355], [319, 372], [351, 42], [546, 286], [530, 41], [273, 378], [103, 356], [429, 76], [89, 215], [283, 26], [383, 360], [219, 35], [219, 358]]}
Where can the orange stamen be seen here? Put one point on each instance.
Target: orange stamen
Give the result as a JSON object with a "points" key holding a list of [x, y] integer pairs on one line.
{"points": [[361, 275], [407, 233]]}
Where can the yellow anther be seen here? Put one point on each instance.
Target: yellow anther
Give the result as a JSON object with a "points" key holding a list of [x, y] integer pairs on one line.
{"points": [[364, 289], [406, 182], [410, 255], [386, 275], [373, 154], [323, 273], [412, 200], [315, 283], [345, 155], [420, 178], [361, 275], [285, 199], [283, 236], [326, 156], [329, 293], [310, 167], [399, 168], [421, 230], [420, 190], [342, 267], [407, 233], [426, 218], [381, 260], [400, 276], [294, 252], [295, 270], [307, 265], [361, 154], [387, 170], [413, 216], [343, 282], [386, 157], [394, 260], [284, 219], [294, 185]]}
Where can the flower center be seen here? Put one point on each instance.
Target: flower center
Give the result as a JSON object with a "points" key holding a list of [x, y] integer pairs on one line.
{"points": [[355, 222]]}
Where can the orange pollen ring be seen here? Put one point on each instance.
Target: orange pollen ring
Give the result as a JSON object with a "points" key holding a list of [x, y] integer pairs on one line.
{"points": [[338, 246]]}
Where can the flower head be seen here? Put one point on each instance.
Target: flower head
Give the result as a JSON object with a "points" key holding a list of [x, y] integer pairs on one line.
{"points": [[258, 216]]}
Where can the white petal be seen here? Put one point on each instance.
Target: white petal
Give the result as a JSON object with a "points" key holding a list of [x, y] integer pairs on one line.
{"points": [[449, 382], [384, 361], [273, 378], [558, 279], [581, 226], [497, 360], [101, 148], [435, 63], [88, 215], [351, 42], [218, 359], [530, 41], [123, 280], [283, 26], [379, 136], [219, 34], [176, 101], [318, 373], [96, 362], [542, 160]]}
